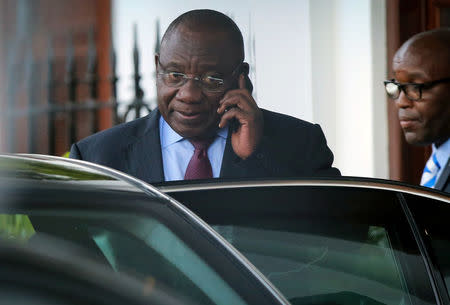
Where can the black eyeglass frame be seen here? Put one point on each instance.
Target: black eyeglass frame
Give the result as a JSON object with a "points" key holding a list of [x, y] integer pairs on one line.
{"points": [[199, 78], [419, 86]]}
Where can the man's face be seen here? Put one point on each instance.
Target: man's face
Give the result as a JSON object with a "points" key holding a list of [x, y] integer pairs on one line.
{"points": [[190, 110], [427, 120]]}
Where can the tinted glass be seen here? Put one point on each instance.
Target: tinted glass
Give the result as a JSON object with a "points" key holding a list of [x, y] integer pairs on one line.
{"points": [[57, 274], [322, 245], [432, 217], [130, 233], [129, 243]]}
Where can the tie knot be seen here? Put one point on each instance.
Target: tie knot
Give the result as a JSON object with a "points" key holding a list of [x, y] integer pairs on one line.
{"points": [[201, 144], [199, 166]]}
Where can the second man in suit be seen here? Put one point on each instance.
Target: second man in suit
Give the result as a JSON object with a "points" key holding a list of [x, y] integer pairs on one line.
{"points": [[421, 90]]}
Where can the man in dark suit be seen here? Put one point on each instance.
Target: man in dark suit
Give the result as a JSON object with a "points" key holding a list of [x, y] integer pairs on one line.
{"points": [[421, 89], [207, 123]]}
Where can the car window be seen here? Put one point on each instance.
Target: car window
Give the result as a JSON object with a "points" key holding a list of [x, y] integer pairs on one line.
{"points": [[56, 274], [142, 246], [321, 245], [432, 218], [158, 246]]}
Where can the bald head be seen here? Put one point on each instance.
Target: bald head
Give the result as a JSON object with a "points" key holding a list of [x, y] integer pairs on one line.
{"points": [[207, 21], [439, 36], [432, 47]]}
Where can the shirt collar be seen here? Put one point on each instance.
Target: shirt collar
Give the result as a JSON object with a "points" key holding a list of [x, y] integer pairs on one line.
{"points": [[223, 132], [442, 152], [170, 136]]}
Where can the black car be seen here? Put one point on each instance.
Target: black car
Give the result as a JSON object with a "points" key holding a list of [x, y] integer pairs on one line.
{"points": [[350, 241], [346, 241], [105, 218]]}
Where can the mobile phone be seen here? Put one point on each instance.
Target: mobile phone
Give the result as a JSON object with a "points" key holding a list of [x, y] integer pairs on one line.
{"points": [[234, 123], [248, 84]]}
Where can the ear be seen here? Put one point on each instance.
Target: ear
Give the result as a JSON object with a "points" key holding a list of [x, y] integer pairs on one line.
{"points": [[245, 68], [156, 60]]}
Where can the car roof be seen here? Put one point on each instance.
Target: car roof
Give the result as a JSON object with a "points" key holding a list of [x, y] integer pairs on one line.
{"points": [[343, 182], [52, 169], [97, 174]]}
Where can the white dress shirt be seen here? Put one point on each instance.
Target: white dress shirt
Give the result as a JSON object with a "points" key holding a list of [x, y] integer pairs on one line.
{"points": [[177, 151]]}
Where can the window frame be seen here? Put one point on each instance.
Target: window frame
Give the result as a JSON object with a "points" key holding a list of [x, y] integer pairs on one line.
{"points": [[435, 275]]}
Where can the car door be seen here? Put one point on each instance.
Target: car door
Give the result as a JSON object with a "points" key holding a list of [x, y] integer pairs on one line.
{"points": [[323, 244], [126, 226], [430, 218]]}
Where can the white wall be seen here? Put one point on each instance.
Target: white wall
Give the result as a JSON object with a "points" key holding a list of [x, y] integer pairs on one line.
{"points": [[379, 73], [348, 67], [319, 60], [323, 69]]}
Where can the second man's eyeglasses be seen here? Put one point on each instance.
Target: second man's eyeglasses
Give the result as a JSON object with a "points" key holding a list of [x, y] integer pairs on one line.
{"points": [[413, 91]]}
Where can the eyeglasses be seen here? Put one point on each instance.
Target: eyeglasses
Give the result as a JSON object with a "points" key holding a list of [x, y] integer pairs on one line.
{"points": [[209, 82], [413, 91]]}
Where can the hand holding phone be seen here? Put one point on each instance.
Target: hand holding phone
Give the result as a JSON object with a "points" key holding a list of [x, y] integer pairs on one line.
{"points": [[239, 109]]}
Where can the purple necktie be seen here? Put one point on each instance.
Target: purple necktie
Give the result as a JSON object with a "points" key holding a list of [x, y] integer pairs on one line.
{"points": [[199, 166]]}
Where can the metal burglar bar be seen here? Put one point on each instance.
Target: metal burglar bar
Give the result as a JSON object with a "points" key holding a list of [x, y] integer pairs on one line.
{"points": [[66, 112], [72, 83], [92, 79], [32, 89], [113, 79], [50, 99], [138, 102]]}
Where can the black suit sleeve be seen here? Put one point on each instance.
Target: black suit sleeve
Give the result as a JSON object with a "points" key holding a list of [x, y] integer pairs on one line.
{"points": [[319, 155], [297, 151], [75, 152], [443, 183]]}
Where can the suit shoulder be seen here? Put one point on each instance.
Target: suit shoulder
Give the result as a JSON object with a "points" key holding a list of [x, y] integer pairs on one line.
{"points": [[295, 147], [121, 134], [287, 130], [279, 120]]}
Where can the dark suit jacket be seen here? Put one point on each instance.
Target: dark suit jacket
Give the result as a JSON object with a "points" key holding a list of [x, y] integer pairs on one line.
{"points": [[290, 148], [443, 183]]}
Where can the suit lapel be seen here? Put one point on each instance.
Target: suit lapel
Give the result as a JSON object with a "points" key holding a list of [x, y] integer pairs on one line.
{"points": [[230, 167], [144, 158], [235, 167], [443, 177]]}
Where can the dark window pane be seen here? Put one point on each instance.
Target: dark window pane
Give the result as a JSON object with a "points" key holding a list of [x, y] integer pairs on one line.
{"points": [[322, 245], [142, 246], [131, 233]]}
